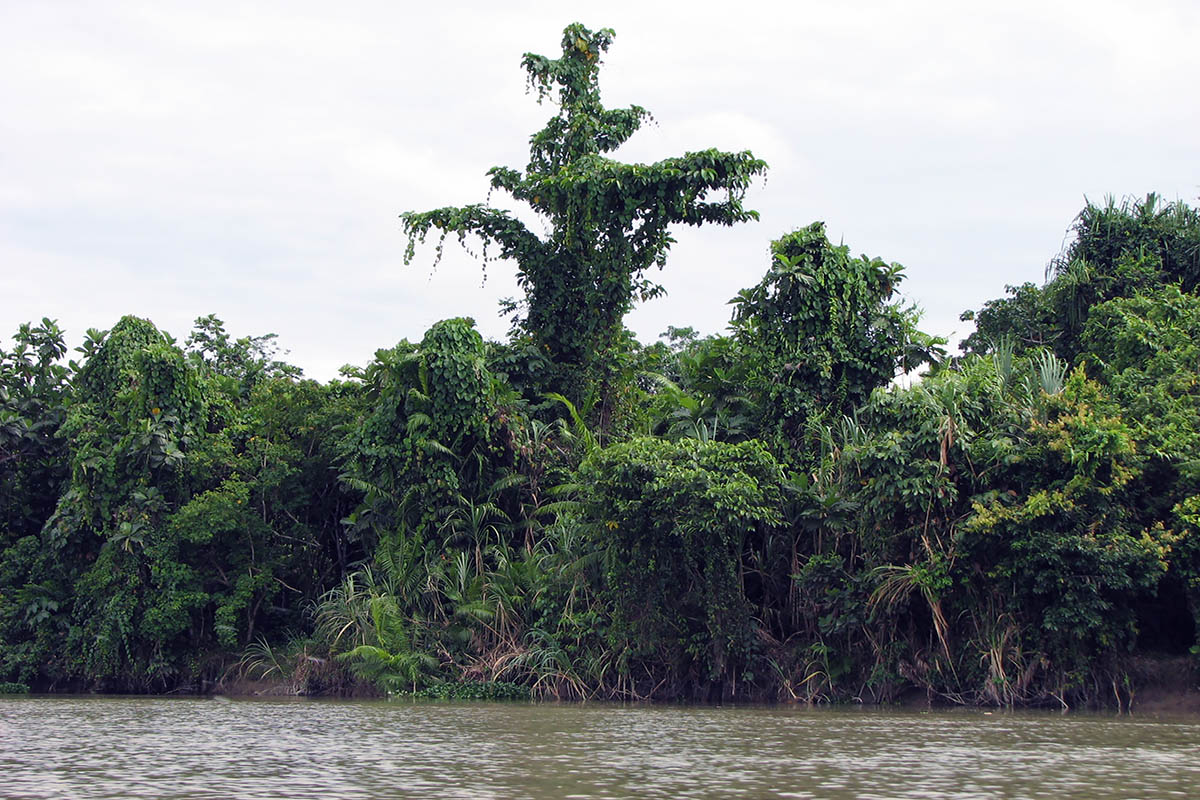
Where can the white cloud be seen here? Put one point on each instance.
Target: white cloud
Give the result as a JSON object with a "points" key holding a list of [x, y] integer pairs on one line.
{"points": [[173, 160]]}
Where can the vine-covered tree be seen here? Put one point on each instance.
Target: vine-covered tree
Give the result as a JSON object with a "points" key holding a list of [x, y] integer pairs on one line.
{"points": [[608, 221], [820, 331]]}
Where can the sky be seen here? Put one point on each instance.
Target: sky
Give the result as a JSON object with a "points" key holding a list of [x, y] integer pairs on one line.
{"points": [[251, 160]]}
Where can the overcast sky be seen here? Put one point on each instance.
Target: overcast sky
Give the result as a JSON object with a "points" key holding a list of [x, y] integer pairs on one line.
{"points": [[171, 159]]}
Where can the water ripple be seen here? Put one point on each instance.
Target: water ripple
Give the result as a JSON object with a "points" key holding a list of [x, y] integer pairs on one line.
{"points": [[176, 748]]}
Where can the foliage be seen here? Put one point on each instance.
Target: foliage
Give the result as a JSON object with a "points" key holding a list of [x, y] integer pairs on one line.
{"points": [[1066, 547], [820, 332], [701, 390], [180, 529], [1166, 234], [675, 520], [34, 397], [1118, 250], [246, 361], [1021, 318], [608, 222], [573, 514], [1146, 350], [433, 436], [302, 662]]}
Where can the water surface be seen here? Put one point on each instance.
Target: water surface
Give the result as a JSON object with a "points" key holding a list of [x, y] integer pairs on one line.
{"points": [[174, 748]]}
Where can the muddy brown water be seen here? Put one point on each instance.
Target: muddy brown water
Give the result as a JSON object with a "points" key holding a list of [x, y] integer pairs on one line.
{"points": [[172, 748]]}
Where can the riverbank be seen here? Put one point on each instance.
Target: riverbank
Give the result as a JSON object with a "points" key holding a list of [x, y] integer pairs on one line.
{"points": [[1155, 685], [1165, 686]]}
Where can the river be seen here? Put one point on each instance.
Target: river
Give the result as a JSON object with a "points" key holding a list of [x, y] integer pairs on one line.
{"points": [[174, 748]]}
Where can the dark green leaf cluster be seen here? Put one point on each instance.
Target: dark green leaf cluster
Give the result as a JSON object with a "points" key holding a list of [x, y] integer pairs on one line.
{"points": [[608, 222], [821, 332], [1119, 250], [677, 521], [35, 393], [191, 513]]}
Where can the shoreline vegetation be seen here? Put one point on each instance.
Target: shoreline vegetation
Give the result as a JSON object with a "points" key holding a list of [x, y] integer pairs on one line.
{"points": [[1164, 686], [760, 515], [1157, 685]]}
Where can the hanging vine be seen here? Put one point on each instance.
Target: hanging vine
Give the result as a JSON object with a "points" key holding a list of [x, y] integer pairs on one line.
{"points": [[608, 221]]}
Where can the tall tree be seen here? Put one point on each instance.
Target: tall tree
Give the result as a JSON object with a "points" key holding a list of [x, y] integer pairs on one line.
{"points": [[820, 331], [608, 221]]}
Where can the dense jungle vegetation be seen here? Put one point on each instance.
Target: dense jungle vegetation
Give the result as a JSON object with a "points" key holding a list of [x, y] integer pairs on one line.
{"points": [[572, 513]]}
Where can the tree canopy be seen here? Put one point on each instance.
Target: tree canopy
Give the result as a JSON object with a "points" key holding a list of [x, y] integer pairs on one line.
{"points": [[608, 221]]}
